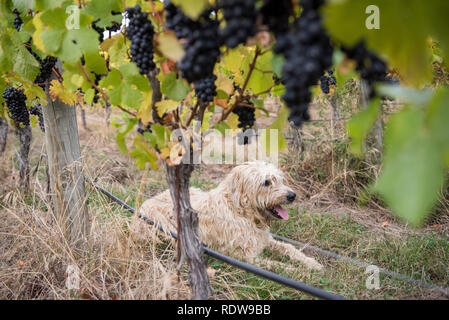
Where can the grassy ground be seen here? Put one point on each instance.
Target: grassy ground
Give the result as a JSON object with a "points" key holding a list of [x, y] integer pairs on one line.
{"points": [[34, 256]]}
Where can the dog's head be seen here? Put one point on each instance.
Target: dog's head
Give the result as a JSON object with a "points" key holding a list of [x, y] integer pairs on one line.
{"points": [[260, 186]]}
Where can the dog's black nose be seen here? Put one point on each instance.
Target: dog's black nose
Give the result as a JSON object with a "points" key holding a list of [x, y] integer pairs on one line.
{"points": [[291, 196]]}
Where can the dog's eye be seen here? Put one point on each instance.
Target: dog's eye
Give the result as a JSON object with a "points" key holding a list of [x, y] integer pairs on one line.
{"points": [[267, 183]]}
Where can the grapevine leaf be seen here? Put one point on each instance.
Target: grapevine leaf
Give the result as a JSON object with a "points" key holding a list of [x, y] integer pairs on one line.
{"points": [[48, 4], [192, 9], [24, 64], [277, 126], [205, 125], [24, 5], [261, 78], [277, 61], [58, 91], [166, 106], [143, 154], [95, 63], [224, 84], [32, 91], [130, 97], [102, 9], [405, 26], [120, 139], [128, 70], [413, 170], [118, 51], [232, 121], [406, 95], [159, 135], [113, 79], [115, 95], [175, 89], [107, 44], [222, 127], [89, 96], [233, 63], [144, 113], [170, 46]]}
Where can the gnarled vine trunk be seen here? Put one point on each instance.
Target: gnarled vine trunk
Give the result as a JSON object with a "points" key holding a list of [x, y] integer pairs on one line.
{"points": [[178, 178], [25, 136]]}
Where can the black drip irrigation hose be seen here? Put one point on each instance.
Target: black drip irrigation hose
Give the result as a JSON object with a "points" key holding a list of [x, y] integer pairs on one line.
{"points": [[316, 292]]}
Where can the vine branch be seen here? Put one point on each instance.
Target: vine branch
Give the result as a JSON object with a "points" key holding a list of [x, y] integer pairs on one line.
{"points": [[248, 76]]}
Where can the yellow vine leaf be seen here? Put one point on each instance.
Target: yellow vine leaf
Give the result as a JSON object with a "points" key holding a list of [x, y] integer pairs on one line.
{"points": [[58, 91], [224, 83], [166, 106], [108, 43], [192, 8], [39, 25], [232, 121], [170, 46], [144, 113]]}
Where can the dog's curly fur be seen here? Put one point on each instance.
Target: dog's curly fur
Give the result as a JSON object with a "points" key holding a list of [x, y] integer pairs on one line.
{"points": [[231, 215]]}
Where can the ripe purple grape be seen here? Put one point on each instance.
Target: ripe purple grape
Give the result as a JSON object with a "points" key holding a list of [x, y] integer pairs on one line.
{"points": [[308, 54], [15, 102], [240, 17], [140, 31]]}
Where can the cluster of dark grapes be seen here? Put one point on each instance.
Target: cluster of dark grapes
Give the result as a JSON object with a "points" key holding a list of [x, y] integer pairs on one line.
{"points": [[140, 31], [115, 26], [370, 67], [37, 111], [46, 65], [17, 20], [99, 30], [177, 21], [275, 15], [142, 129], [240, 16], [45, 72], [326, 81], [237, 87], [246, 116], [98, 77], [205, 89], [308, 53], [202, 49], [15, 101]]}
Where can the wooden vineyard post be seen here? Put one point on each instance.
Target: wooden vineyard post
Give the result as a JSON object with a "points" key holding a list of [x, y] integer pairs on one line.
{"points": [[64, 160], [3, 135]]}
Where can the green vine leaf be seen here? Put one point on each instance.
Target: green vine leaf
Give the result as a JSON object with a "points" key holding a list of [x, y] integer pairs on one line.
{"points": [[405, 28]]}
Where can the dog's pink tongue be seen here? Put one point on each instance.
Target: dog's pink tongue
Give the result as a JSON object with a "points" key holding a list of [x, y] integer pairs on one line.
{"points": [[281, 212]]}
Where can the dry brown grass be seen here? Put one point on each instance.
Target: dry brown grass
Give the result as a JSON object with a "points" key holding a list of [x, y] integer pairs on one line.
{"points": [[34, 255]]}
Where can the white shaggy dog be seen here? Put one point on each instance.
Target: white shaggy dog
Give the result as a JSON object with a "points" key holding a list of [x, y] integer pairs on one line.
{"points": [[232, 215]]}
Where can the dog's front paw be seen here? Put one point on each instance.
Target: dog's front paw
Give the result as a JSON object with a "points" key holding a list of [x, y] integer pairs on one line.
{"points": [[313, 264]]}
